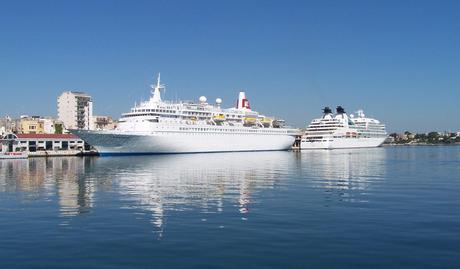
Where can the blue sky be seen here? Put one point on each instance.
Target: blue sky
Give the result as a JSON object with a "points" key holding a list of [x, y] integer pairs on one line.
{"points": [[398, 60]]}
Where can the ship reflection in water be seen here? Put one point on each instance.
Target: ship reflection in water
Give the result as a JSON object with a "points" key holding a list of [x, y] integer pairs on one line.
{"points": [[350, 173], [207, 183], [156, 186], [356, 208]]}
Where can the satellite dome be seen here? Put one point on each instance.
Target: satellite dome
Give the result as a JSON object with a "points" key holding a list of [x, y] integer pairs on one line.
{"points": [[218, 101], [203, 99]]}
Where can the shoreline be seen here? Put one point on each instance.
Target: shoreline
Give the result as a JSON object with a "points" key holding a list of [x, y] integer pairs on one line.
{"points": [[420, 144]]}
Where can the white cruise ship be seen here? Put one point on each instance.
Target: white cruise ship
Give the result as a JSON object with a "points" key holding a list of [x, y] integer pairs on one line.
{"points": [[157, 126], [343, 131]]}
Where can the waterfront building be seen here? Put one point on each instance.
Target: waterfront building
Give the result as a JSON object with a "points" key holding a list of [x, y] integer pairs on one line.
{"points": [[31, 125], [39, 125], [45, 142], [75, 110], [6, 125], [52, 126], [48, 125], [49, 142]]}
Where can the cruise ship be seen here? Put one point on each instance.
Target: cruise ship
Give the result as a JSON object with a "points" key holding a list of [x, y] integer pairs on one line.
{"points": [[343, 131], [158, 126]]}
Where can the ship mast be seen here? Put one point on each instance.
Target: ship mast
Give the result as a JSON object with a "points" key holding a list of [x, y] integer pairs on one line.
{"points": [[156, 98]]}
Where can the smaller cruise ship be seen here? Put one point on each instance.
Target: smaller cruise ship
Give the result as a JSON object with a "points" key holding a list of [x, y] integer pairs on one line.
{"points": [[343, 131]]}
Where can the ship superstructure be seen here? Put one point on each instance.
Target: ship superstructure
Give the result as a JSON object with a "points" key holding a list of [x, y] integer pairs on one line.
{"points": [[158, 126], [343, 131]]}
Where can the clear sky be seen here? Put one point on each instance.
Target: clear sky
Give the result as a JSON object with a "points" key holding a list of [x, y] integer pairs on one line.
{"points": [[398, 60]]}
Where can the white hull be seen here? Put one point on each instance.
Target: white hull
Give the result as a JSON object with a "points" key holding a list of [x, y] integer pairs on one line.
{"points": [[342, 143], [170, 142], [157, 126]]}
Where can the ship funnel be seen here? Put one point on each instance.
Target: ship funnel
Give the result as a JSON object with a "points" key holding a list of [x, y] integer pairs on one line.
{"points": [[327, 110], [340, 110], [243, 103]]}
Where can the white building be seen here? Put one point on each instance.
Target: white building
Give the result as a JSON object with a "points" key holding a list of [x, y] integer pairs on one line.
{"points": [[6, 125], [48, 125], [75, 110], [46, 142]]}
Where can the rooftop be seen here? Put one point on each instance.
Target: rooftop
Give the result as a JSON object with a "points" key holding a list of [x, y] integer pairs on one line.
{"points": [[77, 93]]}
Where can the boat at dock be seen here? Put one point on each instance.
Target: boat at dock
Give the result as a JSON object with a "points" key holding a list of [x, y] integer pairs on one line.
{"points": [[9, 148], [343, 131], [157, 126], [14, 155]]}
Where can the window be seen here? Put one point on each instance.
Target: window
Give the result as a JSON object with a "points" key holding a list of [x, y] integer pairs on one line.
{"points": [[65, 145], [49, 145]]}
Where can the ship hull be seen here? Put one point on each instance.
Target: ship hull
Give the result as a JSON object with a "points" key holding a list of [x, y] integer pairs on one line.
{"points": [[170, 142], [342, 143]]}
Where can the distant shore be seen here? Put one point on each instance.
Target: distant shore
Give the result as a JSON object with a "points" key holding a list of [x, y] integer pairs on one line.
{"points": [[431, 138], [420, 144]]}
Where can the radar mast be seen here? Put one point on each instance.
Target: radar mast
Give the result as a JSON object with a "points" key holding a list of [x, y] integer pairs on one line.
{"points": [[156, 90]]}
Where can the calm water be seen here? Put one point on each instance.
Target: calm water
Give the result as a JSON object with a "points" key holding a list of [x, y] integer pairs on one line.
{"points": [[393, 207]]}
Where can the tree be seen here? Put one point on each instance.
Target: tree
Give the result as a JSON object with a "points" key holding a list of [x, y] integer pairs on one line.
{"points": [[58, 128], [433, 137], [420, 136]]}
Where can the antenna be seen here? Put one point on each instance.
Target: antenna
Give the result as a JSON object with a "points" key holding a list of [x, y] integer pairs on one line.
{"points": [[158, 80]]}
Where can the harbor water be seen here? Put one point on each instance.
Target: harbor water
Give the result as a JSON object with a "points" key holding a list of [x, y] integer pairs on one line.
{"points": [[390, 207]]}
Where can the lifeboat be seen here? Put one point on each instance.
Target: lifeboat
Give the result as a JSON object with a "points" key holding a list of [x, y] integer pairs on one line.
{"points": [[249, 120], [266, 122], [219, 118]]}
